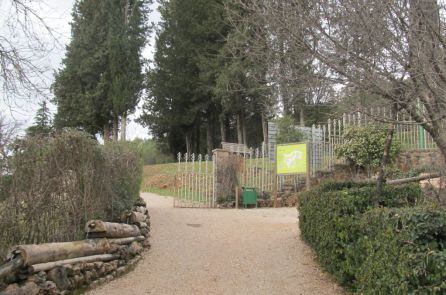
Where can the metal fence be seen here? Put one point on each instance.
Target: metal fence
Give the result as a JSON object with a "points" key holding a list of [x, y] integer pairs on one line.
{"points": [[326, 137], [197, 179], [194, 181]]}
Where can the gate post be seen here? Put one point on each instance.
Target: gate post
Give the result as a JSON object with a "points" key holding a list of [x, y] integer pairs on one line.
{"points": [[226, 173]]}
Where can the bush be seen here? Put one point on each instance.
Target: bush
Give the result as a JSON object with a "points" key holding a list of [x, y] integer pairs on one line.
{"points": [[364, 146], [405, 251], [55, 184], [397, 248]]}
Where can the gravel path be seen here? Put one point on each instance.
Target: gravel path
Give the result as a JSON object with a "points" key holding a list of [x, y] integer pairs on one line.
{"points": [[211, 251]]}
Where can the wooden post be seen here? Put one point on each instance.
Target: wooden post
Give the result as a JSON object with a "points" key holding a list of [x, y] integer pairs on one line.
{"points": [[236, 197], [308, 180]]}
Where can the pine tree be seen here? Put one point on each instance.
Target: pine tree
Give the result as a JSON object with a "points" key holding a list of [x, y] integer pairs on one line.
{"points": [[42, 121], [181, 83]]}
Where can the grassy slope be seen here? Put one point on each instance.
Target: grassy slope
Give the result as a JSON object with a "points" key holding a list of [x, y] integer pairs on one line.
{"points": [[160, 179]]}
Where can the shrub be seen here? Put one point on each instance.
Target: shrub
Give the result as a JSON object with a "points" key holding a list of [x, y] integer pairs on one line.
{"points": [[57, 183], [364, 146], [405, 251], [397, 248]]}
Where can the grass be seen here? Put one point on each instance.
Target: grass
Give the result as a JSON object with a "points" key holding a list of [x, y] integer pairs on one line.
{"points": [[159, 179]]}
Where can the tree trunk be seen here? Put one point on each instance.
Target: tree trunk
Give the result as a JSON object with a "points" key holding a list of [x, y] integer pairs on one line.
{"points": [[381, 179], [115, 128], [302, 116], [106, 133], [244, 129], [197, 139], [265, 128], [209, 134], [189, 143], [439, 137], [239, 128], [124, 126], [223, 131]]}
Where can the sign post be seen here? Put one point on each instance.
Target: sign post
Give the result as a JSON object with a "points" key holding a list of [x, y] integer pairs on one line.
{"points": [[294, 159]]}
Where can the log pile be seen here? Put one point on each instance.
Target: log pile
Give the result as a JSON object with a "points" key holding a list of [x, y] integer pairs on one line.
{"points": [[109, 250]]}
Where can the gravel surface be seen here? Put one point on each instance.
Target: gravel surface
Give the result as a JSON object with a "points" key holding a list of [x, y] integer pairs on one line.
{"points": [[212, 251]]}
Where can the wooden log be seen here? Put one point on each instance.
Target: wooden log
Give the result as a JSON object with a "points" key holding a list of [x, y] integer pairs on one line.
{"points": [[137, 217], [11, 266], [35, 254], [88, 259], [405, 180], [101, 229], [125, 241], [414, 179]]}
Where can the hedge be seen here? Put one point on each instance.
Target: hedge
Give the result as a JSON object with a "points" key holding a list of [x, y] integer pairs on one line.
{"points": [[396, 248], [53, 184]]}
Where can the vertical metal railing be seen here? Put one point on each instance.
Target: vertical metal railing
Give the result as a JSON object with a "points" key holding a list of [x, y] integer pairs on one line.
{"points": [[194, 181]]}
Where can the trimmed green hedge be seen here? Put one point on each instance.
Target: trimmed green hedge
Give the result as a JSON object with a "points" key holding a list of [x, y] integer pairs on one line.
{"points": [[397, 248]]}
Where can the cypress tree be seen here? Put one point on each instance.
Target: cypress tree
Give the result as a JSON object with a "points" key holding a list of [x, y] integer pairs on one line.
{"points": [[101, 78]]}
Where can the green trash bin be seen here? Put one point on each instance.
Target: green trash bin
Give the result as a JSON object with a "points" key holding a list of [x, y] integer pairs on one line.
{"points": [[249, 196]]}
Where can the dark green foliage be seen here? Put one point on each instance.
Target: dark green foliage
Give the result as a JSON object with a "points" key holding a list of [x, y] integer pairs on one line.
{"points": [[102, 71], [287, 131], [54, 184], [181, 82], [42, 121], [398, 248], [405, 251], [364, 146]]}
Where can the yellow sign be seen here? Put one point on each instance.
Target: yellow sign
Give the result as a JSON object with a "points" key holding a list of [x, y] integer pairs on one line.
{"points": [[292, 158]]}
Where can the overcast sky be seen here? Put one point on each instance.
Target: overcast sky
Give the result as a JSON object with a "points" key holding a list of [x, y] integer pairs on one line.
{"points": [[57, 15]]}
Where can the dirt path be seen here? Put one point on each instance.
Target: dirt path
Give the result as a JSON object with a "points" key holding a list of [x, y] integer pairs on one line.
{"points": [[201, 251]]}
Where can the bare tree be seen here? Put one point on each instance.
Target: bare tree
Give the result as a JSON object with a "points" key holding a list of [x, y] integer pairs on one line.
{"points": [[8, 133], [394, 49], [25, 40], [296, 76]]}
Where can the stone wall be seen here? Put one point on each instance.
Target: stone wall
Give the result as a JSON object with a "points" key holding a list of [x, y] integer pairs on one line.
{"points": [[428, 159]]}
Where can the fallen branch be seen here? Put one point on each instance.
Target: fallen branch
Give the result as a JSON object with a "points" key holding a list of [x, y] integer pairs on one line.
{"points": [[88, 259], [404, 180], [414, 179]]}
